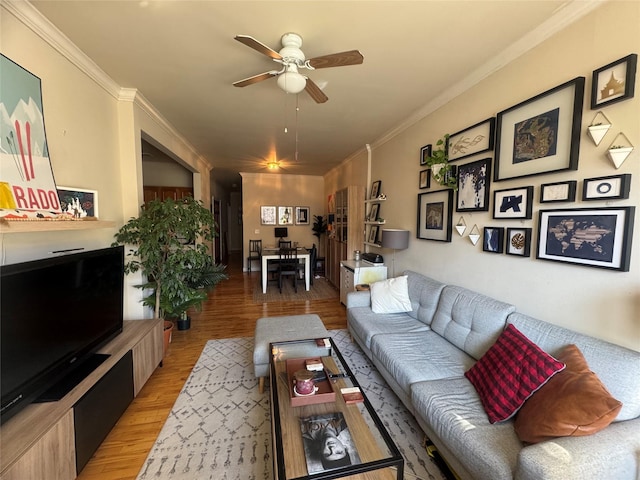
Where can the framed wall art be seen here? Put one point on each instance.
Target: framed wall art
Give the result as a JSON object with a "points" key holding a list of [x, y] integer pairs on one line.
{"points": [[374, 213], [425, 178], [592, 237], [540, 135], [475, 139], [425, 153], [614, 82], [285, 215], [518, 242], [268, 215], [493, 239], [78, 202], [375, 189], [435, 212], [513, 203], [558, 192], [473, 186], [302, 215], [373, 234], [615, 187]]}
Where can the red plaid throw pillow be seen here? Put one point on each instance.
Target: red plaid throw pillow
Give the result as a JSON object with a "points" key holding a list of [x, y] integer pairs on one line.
{"points": [[511, 370]]}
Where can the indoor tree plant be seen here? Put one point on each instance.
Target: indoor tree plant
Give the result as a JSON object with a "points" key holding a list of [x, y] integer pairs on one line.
{"points": [[319, 228], [441, 170], [170, 245]]}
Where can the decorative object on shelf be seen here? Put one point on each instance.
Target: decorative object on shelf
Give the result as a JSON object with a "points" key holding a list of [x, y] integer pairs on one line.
{"points": [[599, 127], [28, 189], [493, 240], [285, 215], [614, 82], [396, 240], [558, 192], [461, 226], [268, 215], [435, 211], [599, 237], [618, 152], [78, 203], [425, 179], [472, 140], [615, 187], [516, 203], [375, 189], [548, 133], [425, 153], [302, 215], [473, 186], [179, 271], [518, 242], [474, 235], [442, 171]]}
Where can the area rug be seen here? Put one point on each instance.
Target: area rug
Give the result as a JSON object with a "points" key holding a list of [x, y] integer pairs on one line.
{"points": [[219, 427], [320, 290]]}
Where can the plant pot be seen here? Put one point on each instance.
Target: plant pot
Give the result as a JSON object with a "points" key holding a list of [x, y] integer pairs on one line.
{"points": [[619, 155], [184, 323], [168, 330]]}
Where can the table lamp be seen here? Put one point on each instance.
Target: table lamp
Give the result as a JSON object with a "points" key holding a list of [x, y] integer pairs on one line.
{"points": [[397, 240]]}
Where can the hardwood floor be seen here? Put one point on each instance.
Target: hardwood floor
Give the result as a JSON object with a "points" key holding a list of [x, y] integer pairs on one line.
{"points": [[229, 312]]}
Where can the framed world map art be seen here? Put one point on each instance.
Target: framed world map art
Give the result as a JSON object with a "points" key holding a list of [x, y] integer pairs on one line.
{"points": [[592, 237]]}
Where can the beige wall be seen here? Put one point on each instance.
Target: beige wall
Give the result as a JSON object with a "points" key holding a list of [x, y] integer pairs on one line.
{"points": [[260, 189], [598, 302]]}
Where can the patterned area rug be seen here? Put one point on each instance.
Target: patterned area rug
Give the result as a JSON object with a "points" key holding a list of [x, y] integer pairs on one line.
{"points": [[219, 427], [320, 290]]}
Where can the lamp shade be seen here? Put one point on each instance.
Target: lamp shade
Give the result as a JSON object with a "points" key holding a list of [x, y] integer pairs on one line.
{"points": [[291, 82], [394, 238]]}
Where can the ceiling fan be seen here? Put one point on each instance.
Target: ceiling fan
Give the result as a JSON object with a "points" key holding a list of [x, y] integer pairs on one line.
{"points": [[291, 59]]}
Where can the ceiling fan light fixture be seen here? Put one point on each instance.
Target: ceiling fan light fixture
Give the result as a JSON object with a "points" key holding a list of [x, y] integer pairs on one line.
{"points": [[291, 81]]}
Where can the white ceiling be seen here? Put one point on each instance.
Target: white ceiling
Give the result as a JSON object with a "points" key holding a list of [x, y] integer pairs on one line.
{"points": [[182, 56]]}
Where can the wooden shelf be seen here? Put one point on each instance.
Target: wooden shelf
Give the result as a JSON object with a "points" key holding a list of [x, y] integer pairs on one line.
{"points": [[51, 225], [373, 244], [379, 222], [375, 200]]}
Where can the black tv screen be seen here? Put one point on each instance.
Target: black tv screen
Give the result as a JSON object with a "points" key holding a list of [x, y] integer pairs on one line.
{"points": [[281, 232], [55, 313]]}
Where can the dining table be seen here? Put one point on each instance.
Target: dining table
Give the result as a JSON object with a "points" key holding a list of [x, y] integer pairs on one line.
{"points": [[274, 254]]}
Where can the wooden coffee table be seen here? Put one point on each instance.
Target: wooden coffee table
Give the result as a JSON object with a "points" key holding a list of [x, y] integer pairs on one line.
{"points": [[374, 455]]}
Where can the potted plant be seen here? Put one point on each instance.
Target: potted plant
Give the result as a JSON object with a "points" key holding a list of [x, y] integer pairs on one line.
{"points": [[441, 170], [170, 245], [319, 228]]}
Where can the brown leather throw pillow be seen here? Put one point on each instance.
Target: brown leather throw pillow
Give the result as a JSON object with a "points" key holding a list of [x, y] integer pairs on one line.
{"points": [[574, 402]]}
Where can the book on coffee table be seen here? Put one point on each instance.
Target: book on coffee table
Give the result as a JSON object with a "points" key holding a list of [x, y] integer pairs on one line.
{"points": [[327, 442]]}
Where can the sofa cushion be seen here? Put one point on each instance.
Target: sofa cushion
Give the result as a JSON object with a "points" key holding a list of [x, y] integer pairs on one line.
{"points": [[365, 324], [418, 356], [451, 409], [618, 368], [470, 320], [424, 294], [390, 296], [511, 370], [573, 403]]}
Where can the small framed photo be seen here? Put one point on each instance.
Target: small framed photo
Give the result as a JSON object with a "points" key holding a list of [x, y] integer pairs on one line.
{"points": [[425, 153], [493, 239], [375, 189], [592, 237], [473, 186], [268, 215], [435, 212], [78, 202], [513, 203], [518, 242], [614, 82], [373, 234], [615, 187], [285, 215], [475, 139], [374, 213], [302, 215], [558, 192], [425, 178]]}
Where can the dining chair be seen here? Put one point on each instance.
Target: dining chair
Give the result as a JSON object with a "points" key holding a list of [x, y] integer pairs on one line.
{"points": [[255, 252], [288, 266], [312, 261]]}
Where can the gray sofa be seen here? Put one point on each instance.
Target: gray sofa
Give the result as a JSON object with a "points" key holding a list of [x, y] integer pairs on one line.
{"points": [[424, 353]]}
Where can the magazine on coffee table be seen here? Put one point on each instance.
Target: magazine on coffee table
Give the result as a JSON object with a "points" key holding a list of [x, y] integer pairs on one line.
{"points": [[327, 442]]}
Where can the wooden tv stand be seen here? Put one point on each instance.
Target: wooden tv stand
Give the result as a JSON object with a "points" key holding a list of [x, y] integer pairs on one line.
{"points": [[39, 441]]}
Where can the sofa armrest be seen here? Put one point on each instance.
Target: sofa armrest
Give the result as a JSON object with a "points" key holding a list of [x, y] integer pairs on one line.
{"points": [[358, 299], [611, 453]]}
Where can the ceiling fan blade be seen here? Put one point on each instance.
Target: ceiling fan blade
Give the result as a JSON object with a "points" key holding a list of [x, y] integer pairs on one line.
{"points": [[342, 59], [314, 92], [255, 79], [259, 46]]}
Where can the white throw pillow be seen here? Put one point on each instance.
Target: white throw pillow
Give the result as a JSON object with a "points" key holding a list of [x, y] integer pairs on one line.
{"points": [[390, 296]]}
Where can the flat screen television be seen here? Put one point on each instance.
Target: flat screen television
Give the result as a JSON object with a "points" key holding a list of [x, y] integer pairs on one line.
{"points": [[55, 314], [281, 232]]}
